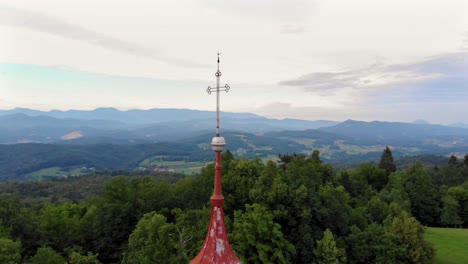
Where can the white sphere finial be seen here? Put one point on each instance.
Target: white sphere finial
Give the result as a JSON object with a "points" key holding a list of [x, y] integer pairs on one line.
{"points": [[218, 144]]}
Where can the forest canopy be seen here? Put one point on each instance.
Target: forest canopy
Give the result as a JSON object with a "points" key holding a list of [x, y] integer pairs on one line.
{"points": [[297, 210]]}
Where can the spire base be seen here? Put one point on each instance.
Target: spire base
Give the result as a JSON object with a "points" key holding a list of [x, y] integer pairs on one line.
{"points": [[216, 249]]}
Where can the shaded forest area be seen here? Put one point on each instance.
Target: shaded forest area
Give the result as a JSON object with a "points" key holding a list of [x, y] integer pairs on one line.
{"points": [[297, 210]]}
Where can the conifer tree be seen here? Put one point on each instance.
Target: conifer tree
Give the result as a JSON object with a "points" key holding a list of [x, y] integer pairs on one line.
{"points": [[386, 161]]}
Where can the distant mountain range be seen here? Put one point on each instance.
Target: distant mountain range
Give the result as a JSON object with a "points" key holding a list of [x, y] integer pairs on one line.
{"points": [[23, 125], [112, 139], [396, 133], [109, 125], [135, 116]]}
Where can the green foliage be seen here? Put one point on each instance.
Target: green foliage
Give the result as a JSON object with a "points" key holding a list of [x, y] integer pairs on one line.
{"points": [[77, 258], [46, 255], [258, 239], [4, 232], [364, 245], [153, 241], [449, 216], [386, 161], [423, 196], [326, 251], [60, 225], [10, 251], [274, 213], [378, 210], [191, 226], [395, 191], [238, 181], [357, 182], [334, 210], [111, 219], [408, 232], [19, 160]]}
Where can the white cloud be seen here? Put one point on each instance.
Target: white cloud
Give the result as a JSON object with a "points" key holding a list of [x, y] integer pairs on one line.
{"points": [[441, 67], [277, 10], [436, 85], [292, 29], [35, 21]]}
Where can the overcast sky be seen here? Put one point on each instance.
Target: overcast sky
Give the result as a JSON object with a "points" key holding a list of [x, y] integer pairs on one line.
{"points": [[395, 60]]}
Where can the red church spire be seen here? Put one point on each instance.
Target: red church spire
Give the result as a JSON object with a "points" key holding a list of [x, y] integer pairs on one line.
{"points": [[216, 248]]}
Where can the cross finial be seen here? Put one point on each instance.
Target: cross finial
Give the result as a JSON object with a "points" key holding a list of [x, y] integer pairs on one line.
{"points": [[217, 90]]}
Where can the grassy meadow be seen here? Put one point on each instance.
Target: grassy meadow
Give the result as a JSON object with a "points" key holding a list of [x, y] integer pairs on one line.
{"points": [[451, 244], [181, 166], [53, 172]]}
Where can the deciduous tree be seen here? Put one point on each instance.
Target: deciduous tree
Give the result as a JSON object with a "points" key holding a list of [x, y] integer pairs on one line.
{"points": [[326, 251], [153, 241], [10, 251], [258, 239], [47, 255]]}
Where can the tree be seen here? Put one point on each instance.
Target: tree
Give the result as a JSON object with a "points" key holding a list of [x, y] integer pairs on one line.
{"points": [[152, 241], [358, 182], [375, 176], [391, 250], [363, 244], [47, 255], [449, 216], [285, 159], [334, 210], [405, 230], [424, 198], [9, 251], [386, 161], [111, 218], [190, 227], [19, 222], [238, 181], [77, 258], [261, 191], [378, 209], [258, 239], [395, 191], [60, 225], [326, 251]]}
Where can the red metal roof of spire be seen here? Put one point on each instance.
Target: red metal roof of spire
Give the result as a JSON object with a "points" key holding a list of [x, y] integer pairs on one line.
{"points": [[216, 248]]}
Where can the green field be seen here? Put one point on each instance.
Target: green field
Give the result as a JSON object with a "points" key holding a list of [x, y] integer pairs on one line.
{"points": [[178, 166], [53, 172], [451, 244]]}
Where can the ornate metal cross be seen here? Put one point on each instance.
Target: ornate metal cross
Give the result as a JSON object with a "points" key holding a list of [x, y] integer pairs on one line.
{"points": [[217, 90]]}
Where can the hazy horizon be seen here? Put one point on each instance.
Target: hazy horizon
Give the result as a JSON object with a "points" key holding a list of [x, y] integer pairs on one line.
{"points": [[312, 60], [415, 121]]}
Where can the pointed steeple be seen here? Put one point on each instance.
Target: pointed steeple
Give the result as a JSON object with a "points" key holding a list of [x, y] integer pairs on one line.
{"points": [[216, 249]]}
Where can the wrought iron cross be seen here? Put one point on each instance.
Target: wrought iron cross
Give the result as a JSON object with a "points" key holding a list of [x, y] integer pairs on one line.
{"points": [[217, 90]]}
